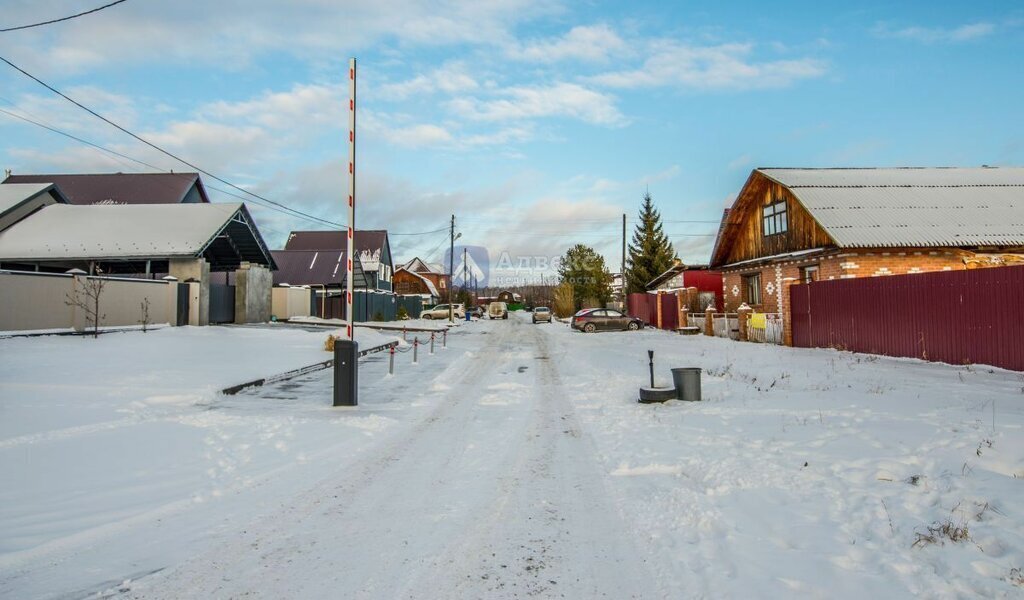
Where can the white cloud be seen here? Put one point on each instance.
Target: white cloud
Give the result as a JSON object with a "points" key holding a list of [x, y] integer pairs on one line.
{"points": [[230, 34], [934, 35], [725, 66], [557, 100], [450, 79], [593, 43]]}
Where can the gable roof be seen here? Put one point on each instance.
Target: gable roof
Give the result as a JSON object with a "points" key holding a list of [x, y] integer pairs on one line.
{"points": [[900, 207], [17, 194], [369, 244], [314, 267], [224, 234], [121, 188], [418, 265]]}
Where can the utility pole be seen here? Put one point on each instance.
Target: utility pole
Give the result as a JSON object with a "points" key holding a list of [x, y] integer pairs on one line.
{"points": [[451, 273], [622, 272], [465, 281]]}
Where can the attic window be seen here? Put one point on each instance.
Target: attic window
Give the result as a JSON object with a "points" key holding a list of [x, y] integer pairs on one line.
{"points": [[775, 219]]}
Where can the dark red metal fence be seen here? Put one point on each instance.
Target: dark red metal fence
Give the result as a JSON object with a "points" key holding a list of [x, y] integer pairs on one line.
{"points": [[645, 307], [956, 317]]}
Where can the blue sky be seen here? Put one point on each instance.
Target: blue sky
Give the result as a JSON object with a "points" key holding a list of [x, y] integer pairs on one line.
{"points": [[537, 123]]}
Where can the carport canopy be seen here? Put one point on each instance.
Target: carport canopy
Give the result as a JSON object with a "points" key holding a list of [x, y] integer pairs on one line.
{"points": [[134, 238]]}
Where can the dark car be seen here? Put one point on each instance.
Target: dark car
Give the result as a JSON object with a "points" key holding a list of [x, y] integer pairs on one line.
{"points": [[604, 319]]}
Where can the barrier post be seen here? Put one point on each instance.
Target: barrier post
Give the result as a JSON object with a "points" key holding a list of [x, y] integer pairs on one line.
{"points": [[431, 342], [415, 350], [391, 361]]}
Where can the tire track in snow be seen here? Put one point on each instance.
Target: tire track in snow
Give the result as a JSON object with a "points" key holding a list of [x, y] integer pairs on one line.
{"points": [[303, 549]]}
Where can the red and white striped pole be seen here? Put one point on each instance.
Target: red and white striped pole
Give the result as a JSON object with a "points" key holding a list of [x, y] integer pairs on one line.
{"points": [[349, 252]]}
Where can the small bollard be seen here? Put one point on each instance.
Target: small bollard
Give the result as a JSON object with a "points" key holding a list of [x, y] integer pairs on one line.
{"points": [[431, 342], [391, 361], [415, 349], [650, 355], [405, 338], [444, 339], [346, 373]]}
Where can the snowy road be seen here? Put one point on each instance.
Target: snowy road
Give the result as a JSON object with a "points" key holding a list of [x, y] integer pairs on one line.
{"points": [[494, 493], [514, 463]]}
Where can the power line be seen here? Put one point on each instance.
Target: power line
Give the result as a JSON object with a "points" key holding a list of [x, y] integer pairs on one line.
{"points": [[293, 211], [68, 18], [135, 160]]}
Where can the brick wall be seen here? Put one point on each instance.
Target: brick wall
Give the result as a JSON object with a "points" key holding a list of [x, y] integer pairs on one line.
{"points": [[838, 264]]}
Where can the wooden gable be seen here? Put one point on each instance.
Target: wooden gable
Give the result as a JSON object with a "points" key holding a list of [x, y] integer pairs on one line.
{"points": [[743, 238]]}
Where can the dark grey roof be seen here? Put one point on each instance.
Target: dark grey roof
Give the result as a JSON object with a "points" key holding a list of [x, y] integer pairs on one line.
{"points": [[121, 188], [314, 267]]}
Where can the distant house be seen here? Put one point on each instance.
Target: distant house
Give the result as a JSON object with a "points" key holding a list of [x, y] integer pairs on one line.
{"points": [[819, 224], [123, 188], [372, 249], [423, 279], [681, 276]]}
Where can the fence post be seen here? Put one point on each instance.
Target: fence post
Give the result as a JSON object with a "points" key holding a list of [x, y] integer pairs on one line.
{"points": [[709, 320], [405, 338], [391, 361], [657, 299], [787, 310], [444, 339], [431, 342], [415, 350], [681, 308], [744, 317]]}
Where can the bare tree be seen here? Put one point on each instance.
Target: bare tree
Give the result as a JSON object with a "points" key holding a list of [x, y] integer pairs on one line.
{"points": [[145, 314], [87, 298]]}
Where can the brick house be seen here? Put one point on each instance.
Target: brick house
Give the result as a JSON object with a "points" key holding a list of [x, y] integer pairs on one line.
{"points": [[803, 225]]}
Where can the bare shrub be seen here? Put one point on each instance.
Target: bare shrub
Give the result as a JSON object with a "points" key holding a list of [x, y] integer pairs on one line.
{"points": [[940, 531], [144, 321], [87, 299]]}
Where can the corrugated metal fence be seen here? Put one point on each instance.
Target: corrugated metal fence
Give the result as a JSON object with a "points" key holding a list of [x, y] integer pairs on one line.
{"points": [[957, 317]]}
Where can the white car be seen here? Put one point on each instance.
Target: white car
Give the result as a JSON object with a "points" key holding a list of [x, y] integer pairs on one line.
{"points": [[441, 312], [497, 310]]}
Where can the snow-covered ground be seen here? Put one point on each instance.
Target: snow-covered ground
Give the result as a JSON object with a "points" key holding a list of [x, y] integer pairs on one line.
{"points": [[514, 463]]}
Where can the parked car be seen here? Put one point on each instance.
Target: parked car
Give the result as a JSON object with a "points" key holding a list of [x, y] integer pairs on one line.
{"points": [[497, 310], [542, 313], [604, 319], [477, 311], [441, 312]]}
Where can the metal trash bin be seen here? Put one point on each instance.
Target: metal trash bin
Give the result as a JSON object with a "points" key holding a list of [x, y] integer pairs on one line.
{"points": [[346, 372], [687, 382]]}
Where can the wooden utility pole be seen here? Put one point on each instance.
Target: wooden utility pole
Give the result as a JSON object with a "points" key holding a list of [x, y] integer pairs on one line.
{"points": [[451, 273], [622, 271]]}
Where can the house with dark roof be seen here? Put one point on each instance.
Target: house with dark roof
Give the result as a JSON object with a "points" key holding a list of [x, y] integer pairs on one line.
{"points": [[372, 251], [123, 188], [417, 277], [820, 224]]}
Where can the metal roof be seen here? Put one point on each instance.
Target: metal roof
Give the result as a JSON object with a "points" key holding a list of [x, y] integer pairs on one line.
{"points": [[222, 233], [912, 206], [13, 195], [315, 267], [120, 188]]}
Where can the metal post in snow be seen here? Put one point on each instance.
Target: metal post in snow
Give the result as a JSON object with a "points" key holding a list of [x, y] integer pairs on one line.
{"points": [[650, 355], [415, 349], [391, 361], [431, 342], [444, 338]]}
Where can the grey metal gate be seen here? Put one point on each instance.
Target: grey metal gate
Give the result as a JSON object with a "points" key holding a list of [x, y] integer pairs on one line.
{"points": [[183, 304], [222, 303]]}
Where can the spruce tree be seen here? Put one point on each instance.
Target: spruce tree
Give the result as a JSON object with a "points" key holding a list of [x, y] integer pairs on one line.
{"points": [[650, 252]]}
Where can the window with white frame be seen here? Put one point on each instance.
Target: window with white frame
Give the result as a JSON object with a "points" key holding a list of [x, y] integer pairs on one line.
{"points": [[774, 217], [752, 289]]}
